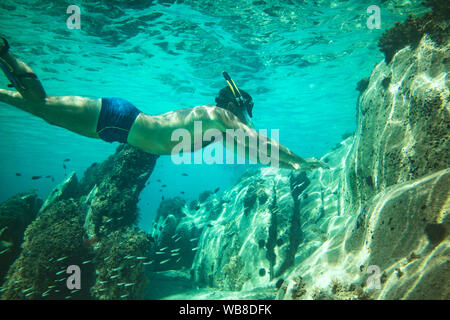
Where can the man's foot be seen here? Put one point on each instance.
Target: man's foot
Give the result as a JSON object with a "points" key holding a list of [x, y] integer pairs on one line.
{"points": [[21, 76], [4, 47]]}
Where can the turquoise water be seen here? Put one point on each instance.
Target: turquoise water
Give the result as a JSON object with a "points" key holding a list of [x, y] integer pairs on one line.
{"points": [[300, 60]]}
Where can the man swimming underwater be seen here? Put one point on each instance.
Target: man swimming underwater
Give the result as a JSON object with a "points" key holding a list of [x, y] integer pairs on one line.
{"points": [[115, 119]]}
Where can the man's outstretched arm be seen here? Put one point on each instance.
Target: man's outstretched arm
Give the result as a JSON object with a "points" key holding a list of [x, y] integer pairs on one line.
{"points": [[265, 146]]}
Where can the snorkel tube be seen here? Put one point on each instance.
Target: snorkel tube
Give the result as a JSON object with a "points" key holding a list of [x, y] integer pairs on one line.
{"points": [[246, 105]]}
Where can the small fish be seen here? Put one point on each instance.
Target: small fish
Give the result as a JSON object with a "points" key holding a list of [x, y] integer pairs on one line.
{"points": [[164, 261], [86, 262], [195, 249], [164, 185], [217, 189], [3, 251], [158, 252], [107, 258], [175, 250], [60, 272], [175, 254], [178, 239], [67, 298], [193, 239], [124, 296], [66, 160], [147, 263], [18, 174], [114, 277], [178, 260], [102, 282], [28, 294], [116, 269], [130, 257], [174, 236], [109, 220], [162, 198], [48, 177], [141, 258], [159, 180], [182, 192], [120, 284], [64, 166], [129, 284], [36, 177], [184, 174], [163, 249], [61, 259]]}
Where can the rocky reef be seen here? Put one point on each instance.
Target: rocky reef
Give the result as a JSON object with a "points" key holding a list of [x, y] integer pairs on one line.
{"points": [[16, 214], [90, 224], [375, 226], [409, 33]]}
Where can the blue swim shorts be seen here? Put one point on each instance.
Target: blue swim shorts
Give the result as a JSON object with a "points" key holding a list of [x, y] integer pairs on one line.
{"points": [[116, 118]]}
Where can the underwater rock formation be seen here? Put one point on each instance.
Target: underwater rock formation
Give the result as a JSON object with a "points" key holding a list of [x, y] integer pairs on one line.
{"points": [[394, 221], [409, 33], [375, 226], [120, 262], [113, 189], [16, 214], [54, 241], [88, 224], [176, 232]]}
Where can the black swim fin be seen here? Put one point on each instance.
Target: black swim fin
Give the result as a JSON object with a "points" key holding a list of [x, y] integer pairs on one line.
{"points": [[9, 70]]}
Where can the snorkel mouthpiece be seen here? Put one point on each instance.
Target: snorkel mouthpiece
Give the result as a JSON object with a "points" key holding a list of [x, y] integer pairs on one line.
{"points": [[244, 104]]}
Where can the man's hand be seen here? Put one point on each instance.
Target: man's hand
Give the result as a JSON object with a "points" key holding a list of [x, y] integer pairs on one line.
{"points": [[312, 163]]}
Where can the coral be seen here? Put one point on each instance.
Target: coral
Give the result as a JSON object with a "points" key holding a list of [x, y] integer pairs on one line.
{"points": [[16, 214], [54, 241], [410, 32], [117, 182], [120, 265], [86, 224]]}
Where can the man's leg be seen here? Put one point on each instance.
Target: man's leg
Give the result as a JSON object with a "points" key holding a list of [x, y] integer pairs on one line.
{"points": [[77, 114]]}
